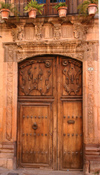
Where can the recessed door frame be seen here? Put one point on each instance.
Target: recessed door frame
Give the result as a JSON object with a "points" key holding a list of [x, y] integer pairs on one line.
{"points": [[55, 128]]}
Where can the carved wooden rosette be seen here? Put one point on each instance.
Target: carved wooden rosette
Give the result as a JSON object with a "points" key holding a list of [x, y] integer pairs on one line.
{"points": [[9, 100]]}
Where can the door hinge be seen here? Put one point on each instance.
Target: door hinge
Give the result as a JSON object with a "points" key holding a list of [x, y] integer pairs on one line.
{"points": [[51, 107], [59, 60]]}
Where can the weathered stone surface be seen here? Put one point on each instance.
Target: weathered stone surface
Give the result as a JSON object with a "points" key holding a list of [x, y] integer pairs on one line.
{"points": [[13, 174], [10, 163], [3, 162], [95, 166]]}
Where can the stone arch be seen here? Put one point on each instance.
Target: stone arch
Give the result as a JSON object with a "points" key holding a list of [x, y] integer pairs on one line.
{"points": [[71, 56], [16, 52]]}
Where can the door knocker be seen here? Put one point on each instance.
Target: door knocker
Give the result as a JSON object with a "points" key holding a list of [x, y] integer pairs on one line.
{"points": [[34, 126]]}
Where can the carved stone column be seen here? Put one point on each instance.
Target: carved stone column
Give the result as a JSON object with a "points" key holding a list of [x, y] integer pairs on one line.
{"points": [[9, 101]]}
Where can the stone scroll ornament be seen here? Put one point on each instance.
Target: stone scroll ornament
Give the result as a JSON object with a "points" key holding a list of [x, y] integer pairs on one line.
{"points": [[72, 77], [35, 76]]}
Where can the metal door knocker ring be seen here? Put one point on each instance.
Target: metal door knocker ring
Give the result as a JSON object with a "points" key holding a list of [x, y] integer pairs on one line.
{"points": [[34, 126]]}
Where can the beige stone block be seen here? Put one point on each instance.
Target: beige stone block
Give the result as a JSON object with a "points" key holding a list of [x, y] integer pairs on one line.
{"points": [[95, 100], [85, 66], [85, 100], [85, 80], [95, 55], [48, 31], [94, 166], [5, 83], [96, 31], [90, 30], [67, 31], [90, 36], [95, 122], [29, 32], [8, 146], [99, 138], [6, 155], [7, 151], [85, 90], [0, 146], [6, 35], [14, 118], [1, 53], [99, 118], [1, 117], [85, 121], [3, 162], [95, 82], [95, 65], [10, 164], [96, 36]]}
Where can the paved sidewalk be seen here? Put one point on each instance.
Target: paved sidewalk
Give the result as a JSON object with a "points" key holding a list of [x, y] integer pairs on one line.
{"points": [[26, 171]]}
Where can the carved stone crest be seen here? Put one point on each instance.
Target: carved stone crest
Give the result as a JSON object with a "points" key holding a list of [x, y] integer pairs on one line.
{"points": [[20, 33], [80, 31], [57, 31], [38, 31]]}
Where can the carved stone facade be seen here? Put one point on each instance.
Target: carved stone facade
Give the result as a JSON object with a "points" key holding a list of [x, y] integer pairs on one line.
{"points": [[67, 37]]}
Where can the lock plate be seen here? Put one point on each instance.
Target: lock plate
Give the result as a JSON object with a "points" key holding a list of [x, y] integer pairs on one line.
{"points": [[70, 121]]}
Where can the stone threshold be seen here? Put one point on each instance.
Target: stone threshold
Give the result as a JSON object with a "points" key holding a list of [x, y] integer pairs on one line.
{"points": [[29, 171]]}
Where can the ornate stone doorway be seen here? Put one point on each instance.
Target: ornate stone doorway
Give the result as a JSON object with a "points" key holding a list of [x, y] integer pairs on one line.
{"points": [[50, 117]]}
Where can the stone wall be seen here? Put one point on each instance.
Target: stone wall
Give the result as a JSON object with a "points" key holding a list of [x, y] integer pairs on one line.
{"points": [[72, 37]]}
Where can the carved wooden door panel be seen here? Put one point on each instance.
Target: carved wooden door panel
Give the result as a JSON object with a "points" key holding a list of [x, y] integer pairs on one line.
{"points": [[35, 118], [50, 113], [36, 134], [70, 114]]}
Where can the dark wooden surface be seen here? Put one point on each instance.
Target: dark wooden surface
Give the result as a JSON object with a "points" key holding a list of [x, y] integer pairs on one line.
{"points": [[50, 98]]}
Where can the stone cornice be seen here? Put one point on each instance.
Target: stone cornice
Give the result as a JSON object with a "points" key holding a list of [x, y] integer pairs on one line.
{"points": [[18, 51], [52, 19]]}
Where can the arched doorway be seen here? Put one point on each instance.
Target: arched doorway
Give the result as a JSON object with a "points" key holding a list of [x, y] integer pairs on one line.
{"points": [[50, 113]]}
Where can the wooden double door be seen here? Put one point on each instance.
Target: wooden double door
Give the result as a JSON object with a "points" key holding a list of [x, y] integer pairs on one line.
{"points": [[50, 113]]}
